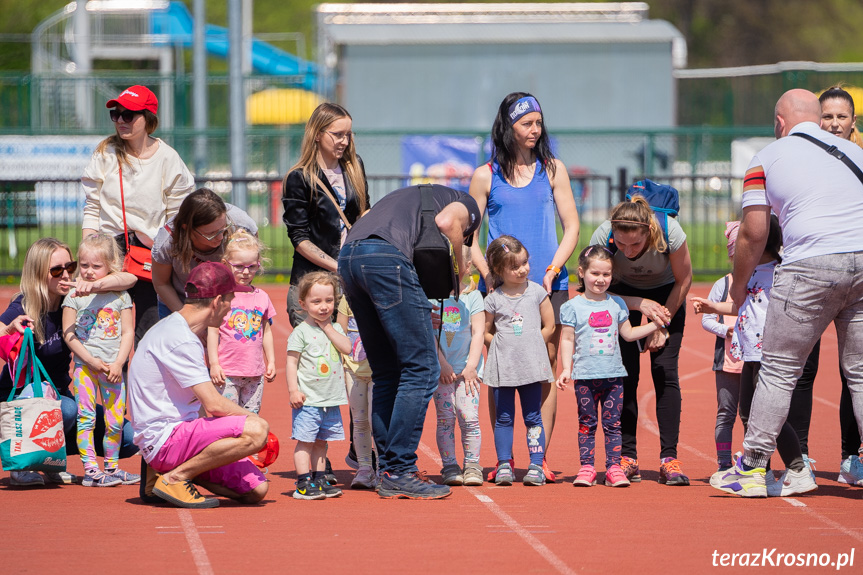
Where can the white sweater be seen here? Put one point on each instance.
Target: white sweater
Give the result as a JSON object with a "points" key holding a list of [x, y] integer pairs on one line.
{"points": [[153, 189]]}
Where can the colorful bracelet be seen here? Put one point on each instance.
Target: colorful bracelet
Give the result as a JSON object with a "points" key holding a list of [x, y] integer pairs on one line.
{"points": [[551, 268]]}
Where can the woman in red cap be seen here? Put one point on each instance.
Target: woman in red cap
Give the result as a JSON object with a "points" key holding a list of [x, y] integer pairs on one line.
{"points": [[133, 172]]}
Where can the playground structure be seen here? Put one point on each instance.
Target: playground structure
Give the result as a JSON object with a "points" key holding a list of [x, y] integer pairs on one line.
{"points": [[67, 44]]}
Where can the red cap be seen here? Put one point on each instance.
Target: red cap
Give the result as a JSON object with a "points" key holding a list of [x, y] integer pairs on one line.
{"points": [[211, 279], [136, 98]]}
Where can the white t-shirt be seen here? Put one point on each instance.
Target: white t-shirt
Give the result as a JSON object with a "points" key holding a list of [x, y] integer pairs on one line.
{"points": [[818, 199], [752, 316], [168, 363]]}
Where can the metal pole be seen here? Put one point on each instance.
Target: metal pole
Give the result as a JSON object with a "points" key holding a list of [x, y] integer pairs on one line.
{"points": [[83, 67], [199, 92], [237, 103]]}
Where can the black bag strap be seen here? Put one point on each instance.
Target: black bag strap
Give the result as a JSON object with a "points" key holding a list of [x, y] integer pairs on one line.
{"points": [[835, 152], [427, 198]]}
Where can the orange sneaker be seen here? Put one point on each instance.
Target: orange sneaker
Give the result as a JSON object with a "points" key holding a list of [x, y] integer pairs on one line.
{"points": [[670, 473], [630, 468], [546, 470]]}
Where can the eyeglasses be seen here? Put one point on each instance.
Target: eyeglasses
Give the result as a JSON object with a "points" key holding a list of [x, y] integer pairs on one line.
{"points": [[240, 268], [127, 115], [215, 235], [57, 271], [340, 136]]}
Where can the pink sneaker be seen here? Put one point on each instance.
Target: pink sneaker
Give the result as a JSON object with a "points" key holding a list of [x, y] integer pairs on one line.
{"points": [[586, 476], [615, 477]]}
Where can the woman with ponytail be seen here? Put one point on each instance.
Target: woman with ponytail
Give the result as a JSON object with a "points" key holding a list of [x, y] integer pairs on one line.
{"points": [[652, 274]]}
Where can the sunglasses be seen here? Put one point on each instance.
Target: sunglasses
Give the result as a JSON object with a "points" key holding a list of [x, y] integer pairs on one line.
{"points": [[215, 235], [57, 271], [127, 115], [240, 268]]}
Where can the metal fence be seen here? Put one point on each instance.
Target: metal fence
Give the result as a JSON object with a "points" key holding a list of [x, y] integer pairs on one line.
{"points": [[33, 209]]}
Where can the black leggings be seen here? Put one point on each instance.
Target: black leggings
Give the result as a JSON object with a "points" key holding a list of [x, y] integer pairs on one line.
{"points": [[800, 414], [663, 369], [787, 443]]}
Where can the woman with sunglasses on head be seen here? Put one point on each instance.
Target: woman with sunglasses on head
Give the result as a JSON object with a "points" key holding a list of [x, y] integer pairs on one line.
{"points": [[196, 235], [133, 172], [329, 172], [45, 280]]}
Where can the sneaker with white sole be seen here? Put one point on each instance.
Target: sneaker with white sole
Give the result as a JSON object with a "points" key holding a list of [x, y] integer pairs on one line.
{"points": [[810, 465], [615, 477], [586, 476], [739, 482], [364, 478], [62, 477], [503, 474], [100, 479], [452, 475], [534, 475], [472, 474], [791, 483], [25, 479], [125, 477], [851, 471]]}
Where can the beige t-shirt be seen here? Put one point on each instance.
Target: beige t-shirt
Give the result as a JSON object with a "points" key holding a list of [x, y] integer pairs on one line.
{"points": [[652, 269]]}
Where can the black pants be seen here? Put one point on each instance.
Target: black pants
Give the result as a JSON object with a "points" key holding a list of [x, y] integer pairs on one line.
{"points": [[787, 443], [800, 413], [663, 369]]}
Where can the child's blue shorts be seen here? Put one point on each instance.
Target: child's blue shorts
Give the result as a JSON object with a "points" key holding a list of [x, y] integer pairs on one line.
{"points": [[313, 423]]}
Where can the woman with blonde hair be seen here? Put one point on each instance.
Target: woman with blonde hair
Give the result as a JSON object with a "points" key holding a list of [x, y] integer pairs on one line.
{"points": [[46, 279], [134, 182], [323, 195], [652, 274]]}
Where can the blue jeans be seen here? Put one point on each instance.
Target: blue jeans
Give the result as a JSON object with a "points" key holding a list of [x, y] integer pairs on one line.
{"points": [[69, 409], [807, 296], [394, 321]]}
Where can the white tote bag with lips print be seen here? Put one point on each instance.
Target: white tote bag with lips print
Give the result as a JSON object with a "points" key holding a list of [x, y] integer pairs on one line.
{"points": [[31, 428]]}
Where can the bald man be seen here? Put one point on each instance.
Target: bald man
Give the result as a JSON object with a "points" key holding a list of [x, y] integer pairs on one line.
{"points": [[819, 202]]}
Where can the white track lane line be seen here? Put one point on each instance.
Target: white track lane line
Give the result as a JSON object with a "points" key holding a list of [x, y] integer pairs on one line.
{"points": [[650, 425], [559, 565], [196, 546]]}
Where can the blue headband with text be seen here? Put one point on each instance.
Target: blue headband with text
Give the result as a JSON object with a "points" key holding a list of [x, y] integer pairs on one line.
{"points": [[521, 107]]}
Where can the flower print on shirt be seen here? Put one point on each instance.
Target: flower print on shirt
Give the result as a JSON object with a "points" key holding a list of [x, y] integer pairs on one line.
{"points": [[604, 337]]}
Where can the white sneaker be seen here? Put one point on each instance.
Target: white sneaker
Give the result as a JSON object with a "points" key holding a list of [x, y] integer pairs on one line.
{"points": [[851, 471], [810, 465], [25, 478], [791, 483]]}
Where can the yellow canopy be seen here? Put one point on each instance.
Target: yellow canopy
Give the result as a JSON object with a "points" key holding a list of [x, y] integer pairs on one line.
{"points": [[281, 106]]}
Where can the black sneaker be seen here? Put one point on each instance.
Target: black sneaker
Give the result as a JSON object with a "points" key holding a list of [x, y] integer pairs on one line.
{"points": [[308, 489], [329, 476], [330, 490], [410, 486]]}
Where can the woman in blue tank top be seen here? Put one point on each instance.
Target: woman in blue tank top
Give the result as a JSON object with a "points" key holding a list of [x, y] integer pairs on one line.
{"points": [[522, 187]]}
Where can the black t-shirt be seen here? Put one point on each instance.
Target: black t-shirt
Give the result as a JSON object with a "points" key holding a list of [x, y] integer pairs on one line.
{"points": [[54, 353], [396, 217]]}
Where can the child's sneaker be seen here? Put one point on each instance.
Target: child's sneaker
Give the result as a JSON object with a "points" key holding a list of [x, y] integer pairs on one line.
{"points": [[851, 471], [472, 474], [790, 483], [739, 482], [125, 477], [329, 476], [308, 489], [364, 478], [503, 474], [330, 491], [534, 475], [493, 473], [630, 468], [586, 476], [615, 477], [546, 470], [810, 465], [670, 473], [451, 475], [100, 479]]}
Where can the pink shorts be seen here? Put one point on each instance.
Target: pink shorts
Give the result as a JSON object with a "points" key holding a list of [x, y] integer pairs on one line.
{"points": [[191, 437]]}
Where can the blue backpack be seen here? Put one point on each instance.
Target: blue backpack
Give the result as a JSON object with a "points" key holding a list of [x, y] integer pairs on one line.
{"points": [[664, 201]]}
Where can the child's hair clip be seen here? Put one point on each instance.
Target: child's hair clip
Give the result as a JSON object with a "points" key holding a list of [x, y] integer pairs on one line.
{"points": [[505, 248]]}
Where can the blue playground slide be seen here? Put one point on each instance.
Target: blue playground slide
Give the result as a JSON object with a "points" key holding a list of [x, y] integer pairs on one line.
{"points": [[176, 23]]}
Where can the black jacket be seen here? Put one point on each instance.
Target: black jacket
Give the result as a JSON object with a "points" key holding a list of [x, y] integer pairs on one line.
{"points": [[316, 220]]}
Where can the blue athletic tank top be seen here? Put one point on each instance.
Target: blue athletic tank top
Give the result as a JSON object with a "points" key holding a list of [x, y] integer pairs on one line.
{"points": [[529, 215]]}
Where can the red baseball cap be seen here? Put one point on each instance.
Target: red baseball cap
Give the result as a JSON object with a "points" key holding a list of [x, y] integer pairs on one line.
{"points": [[211, 279], [136, 98]]}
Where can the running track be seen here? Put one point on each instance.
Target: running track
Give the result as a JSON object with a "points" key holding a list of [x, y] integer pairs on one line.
{"points": [[647, 528]]}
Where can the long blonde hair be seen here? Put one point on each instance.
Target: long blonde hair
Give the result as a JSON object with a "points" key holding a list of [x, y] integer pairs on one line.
{"points": [[151, 122], [637, 215], [320, 120], [34, 283]]}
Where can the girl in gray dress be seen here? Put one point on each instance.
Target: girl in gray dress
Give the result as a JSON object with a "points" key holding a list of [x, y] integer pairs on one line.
{"points": [[518, 322]]}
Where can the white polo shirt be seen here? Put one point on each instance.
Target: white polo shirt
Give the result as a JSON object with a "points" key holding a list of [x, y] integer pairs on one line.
{"points": [[817, 198]]}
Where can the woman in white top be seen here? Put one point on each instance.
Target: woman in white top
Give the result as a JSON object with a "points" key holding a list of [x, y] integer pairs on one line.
{"points": [[154, 182]]}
